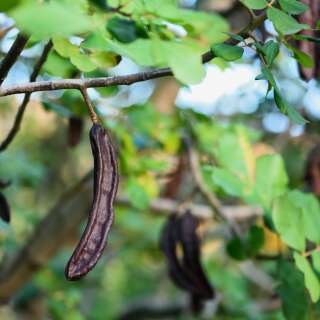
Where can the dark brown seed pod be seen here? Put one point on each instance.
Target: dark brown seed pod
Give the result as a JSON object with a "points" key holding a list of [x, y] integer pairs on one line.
{"points": [[168, 243], [4, 208], [196, 303], [75, 128], [181, 274], [93, 240], [191, 254]]}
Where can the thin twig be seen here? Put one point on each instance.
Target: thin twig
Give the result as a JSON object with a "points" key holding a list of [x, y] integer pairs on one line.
{"points": [[258, 276], [12, 56], [116, 80], [271, 3], [206, 192], [90, 107], [19, 116]]}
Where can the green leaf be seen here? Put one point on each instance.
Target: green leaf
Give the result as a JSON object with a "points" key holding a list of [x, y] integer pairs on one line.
{"points": [[309, 205], [270, 186], [227, 51], [230, 183], [247, 247], [289, 222], [104, 59], [281, 103], [310, 279], [234, 36], [255, 4], [177, 55], [102, 4], [64, 47], [114, 3], [304, 37], [293, 6], [234, 153], [254, 240], [178, 59], [316, 260], [236, 249], [284, 23], [82, 62], [8, 4], [291, 291], [269, 77], [58, 66], [156, 52], [137, 194], [303, 58], [296, 216], [271, 51], [285, 108], [208, 27], [124, 30], [50, 19], [139, 51]]}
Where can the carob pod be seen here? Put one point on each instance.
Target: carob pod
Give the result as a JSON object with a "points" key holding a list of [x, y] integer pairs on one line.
{"points": [[168, 243], [4, 208], [5, 214], [187, 272], [196, 303], [75, 128], [191, 254], [94, 238]]}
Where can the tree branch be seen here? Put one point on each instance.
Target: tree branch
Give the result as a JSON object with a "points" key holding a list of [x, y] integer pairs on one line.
{"points": [[19, 116], [116, 80], [12, 56], [88, 83]]}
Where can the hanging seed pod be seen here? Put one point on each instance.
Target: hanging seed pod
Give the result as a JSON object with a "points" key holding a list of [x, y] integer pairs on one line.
{"points": [[168, 243], [186, 272], [94, 238], [75, 128], [4, 208], [196, 303], [191, 254]]}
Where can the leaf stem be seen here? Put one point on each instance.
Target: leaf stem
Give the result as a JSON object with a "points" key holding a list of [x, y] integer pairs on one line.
{"points": [[88, 103]]}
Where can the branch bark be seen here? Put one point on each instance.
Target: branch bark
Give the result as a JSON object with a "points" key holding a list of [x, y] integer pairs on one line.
{"points": [[117, 80], [12, 56], [64, 218]]}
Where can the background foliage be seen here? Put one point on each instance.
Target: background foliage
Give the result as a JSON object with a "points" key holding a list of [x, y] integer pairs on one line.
{"points": [[270, 270]]}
